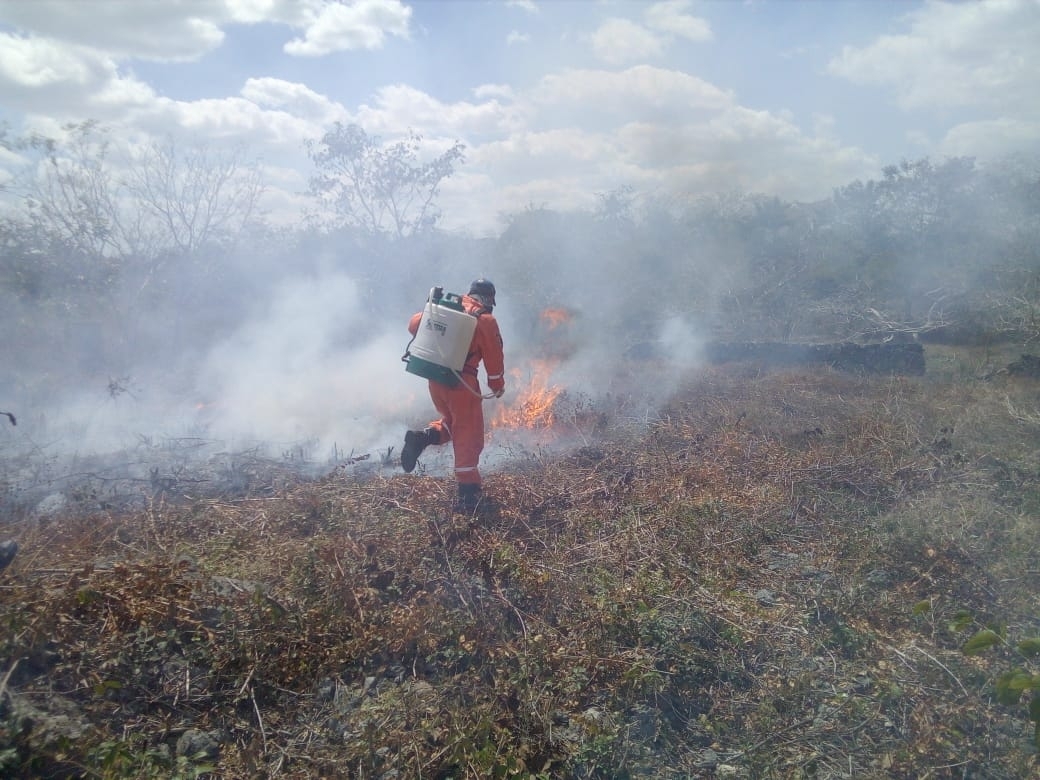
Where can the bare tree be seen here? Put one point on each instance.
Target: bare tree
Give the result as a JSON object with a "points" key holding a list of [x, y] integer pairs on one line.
{"points": [[72, 195], [142, 206], [379, 188], [199, 196]]}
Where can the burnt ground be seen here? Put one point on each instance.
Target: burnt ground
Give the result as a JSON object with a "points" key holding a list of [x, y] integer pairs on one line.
{"points": [[780, 575]]}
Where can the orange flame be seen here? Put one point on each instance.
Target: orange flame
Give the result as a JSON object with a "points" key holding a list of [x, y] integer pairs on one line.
{"points": [[555, 317], [533, 405]]}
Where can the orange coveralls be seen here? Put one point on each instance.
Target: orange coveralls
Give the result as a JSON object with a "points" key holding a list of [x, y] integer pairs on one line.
{"points": [[461, 407]]}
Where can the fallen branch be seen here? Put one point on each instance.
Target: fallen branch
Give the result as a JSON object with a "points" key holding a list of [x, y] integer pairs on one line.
{"points": [[3, 682]]}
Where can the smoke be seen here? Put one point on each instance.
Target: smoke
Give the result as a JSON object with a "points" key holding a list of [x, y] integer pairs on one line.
{"points": [[304, 365], [278, 358], [308, 365], [683, 344], [294, 344]]}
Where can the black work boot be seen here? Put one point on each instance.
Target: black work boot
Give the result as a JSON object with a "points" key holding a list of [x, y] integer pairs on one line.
{"points": [[469, 497], [414, 443]]}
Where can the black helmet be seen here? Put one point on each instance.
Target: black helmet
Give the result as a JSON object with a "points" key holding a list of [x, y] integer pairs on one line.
{"points": [[485, 289]]}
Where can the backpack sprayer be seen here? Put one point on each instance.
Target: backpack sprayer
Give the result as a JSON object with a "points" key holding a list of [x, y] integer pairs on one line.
{"points": [[440, 346]]}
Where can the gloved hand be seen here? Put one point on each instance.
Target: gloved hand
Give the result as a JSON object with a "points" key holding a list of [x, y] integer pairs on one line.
{"points": [[499, 393]]}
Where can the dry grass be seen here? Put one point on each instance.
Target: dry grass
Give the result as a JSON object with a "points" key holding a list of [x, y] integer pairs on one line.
{"points": [[767, 580]]}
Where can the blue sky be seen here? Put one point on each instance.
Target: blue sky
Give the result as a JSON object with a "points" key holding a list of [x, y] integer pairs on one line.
{"points": [[555, 101]]}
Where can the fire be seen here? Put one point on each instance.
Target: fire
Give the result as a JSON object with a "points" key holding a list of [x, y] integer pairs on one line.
{"points": [[531, 396], [533, 406], [557, 332], [553, 318]]}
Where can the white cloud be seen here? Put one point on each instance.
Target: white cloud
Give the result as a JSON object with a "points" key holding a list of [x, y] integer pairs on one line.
{"points": [[620, 41], [65, 81], [559, 191], [579, 132], [119, 97], [400, 106], [980, 54], [516, 37], [558, 139], [742, 149], [493, 91], [10, 164], [524, 5], [920, 139], [78, 73], [642, 91], [669, 17], [690, 138], [233, 120], [471, 201], [295, 13], [293, 98], [283, 199], [146, 30], [992, 138], [823, 125], [35, 63], [170, 31], [363, 24], [271, 118], [543, 154]]}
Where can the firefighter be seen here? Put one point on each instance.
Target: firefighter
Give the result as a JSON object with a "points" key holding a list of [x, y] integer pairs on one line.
{"points": [[461, 407]]}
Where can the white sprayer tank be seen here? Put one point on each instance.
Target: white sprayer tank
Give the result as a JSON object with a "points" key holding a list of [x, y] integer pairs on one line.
{"points": [[442, 342]]}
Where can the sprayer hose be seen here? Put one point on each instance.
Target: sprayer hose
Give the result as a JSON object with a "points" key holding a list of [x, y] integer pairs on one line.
{"points": [[475, 392]]}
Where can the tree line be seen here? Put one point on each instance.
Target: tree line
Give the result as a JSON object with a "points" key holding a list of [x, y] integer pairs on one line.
{"points": [[111, 255]]}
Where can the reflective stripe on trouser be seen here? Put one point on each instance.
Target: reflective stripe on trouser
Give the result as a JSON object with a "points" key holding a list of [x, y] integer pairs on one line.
{"points": [[461, 423]]}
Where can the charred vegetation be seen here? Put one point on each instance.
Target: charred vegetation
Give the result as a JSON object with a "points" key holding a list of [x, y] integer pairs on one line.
{"points": [[772, 576]]}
